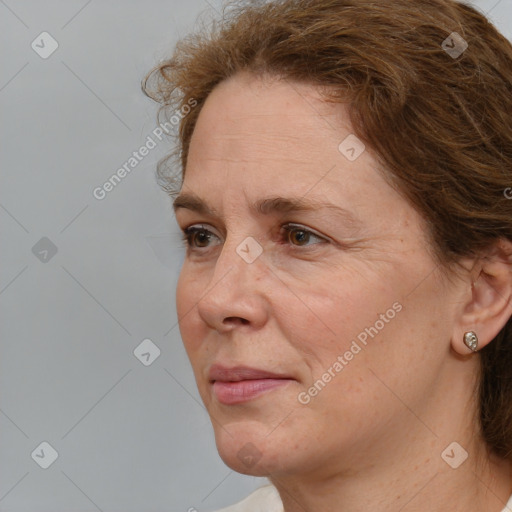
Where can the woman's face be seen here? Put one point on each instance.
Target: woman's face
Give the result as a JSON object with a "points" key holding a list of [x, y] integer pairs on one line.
{"points": [[321, 347]]}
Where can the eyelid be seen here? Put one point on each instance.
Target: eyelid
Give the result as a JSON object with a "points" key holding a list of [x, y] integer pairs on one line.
{"points": [[290, 226], [198, 227], [287, 228]]}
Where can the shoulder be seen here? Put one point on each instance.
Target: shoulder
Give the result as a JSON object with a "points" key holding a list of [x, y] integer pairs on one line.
{"points": [[264, 499]]}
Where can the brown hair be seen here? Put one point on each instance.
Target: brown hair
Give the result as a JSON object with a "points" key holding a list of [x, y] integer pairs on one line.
{"points": [[440, 123]]}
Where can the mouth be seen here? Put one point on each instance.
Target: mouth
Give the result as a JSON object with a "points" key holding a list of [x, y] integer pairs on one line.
{"points": [[241, 384]]}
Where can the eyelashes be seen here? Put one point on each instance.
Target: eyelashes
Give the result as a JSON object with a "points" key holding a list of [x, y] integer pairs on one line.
{"points": [[286, 233]]}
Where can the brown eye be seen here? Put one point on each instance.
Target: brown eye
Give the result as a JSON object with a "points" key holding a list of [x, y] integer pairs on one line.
{"points": [[300, 236], [200, 236], [197, 237]]}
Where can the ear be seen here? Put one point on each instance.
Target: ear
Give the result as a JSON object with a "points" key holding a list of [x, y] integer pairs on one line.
{"points": [[487, 302]]}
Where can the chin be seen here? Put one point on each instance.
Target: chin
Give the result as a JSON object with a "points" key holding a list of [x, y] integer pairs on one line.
{"points": [[232, 461], [247, 448]]}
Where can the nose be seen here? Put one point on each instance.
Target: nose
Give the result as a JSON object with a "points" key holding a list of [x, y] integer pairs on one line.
{"points": [[235, 294]]}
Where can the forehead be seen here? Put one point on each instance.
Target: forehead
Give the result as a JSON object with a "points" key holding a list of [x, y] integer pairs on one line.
{"points": [[269, 115], [260, 130]]}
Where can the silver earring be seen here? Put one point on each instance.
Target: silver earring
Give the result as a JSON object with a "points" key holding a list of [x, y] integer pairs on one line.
{"points": [[471, 340]]}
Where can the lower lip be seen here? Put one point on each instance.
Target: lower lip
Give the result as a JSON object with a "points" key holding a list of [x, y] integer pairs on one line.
{"points": [[231, 393]]}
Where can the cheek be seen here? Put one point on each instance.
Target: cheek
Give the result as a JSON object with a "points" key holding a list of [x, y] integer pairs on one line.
{"points": [[403, 351], [323, 317], [189, 291], [345, 327]]}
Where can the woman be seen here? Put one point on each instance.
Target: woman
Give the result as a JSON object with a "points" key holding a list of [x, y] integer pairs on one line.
{"points": [[365, 363]]}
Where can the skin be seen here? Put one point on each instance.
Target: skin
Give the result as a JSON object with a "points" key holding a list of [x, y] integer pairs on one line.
{"points": [[372, 438]]}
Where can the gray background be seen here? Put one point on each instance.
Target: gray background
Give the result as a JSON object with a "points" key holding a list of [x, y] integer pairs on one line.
{"points": [[129, 437]]}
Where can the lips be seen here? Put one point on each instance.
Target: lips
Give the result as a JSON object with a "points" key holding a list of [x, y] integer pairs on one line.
{"points": [[238, 373], [241, 384]]}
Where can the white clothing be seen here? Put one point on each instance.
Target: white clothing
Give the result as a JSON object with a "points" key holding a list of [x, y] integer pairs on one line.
{"points": [[264, 499]]}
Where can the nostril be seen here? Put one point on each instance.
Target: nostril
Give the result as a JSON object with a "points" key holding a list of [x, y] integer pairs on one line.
{"points": [[235, 319]]}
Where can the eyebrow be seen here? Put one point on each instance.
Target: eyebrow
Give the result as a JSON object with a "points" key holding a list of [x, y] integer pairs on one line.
{"points": [[266, 206]]}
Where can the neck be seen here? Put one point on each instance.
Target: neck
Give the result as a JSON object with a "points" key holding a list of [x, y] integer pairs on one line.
{"points": [[425, 484]]}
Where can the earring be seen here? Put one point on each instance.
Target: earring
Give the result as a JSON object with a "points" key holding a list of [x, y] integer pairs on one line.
{"points": [[471, 340]]}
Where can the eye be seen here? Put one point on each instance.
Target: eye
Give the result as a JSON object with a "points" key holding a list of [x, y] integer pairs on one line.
{"points": [[198, 237], [203, 236], [303, 237]]}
